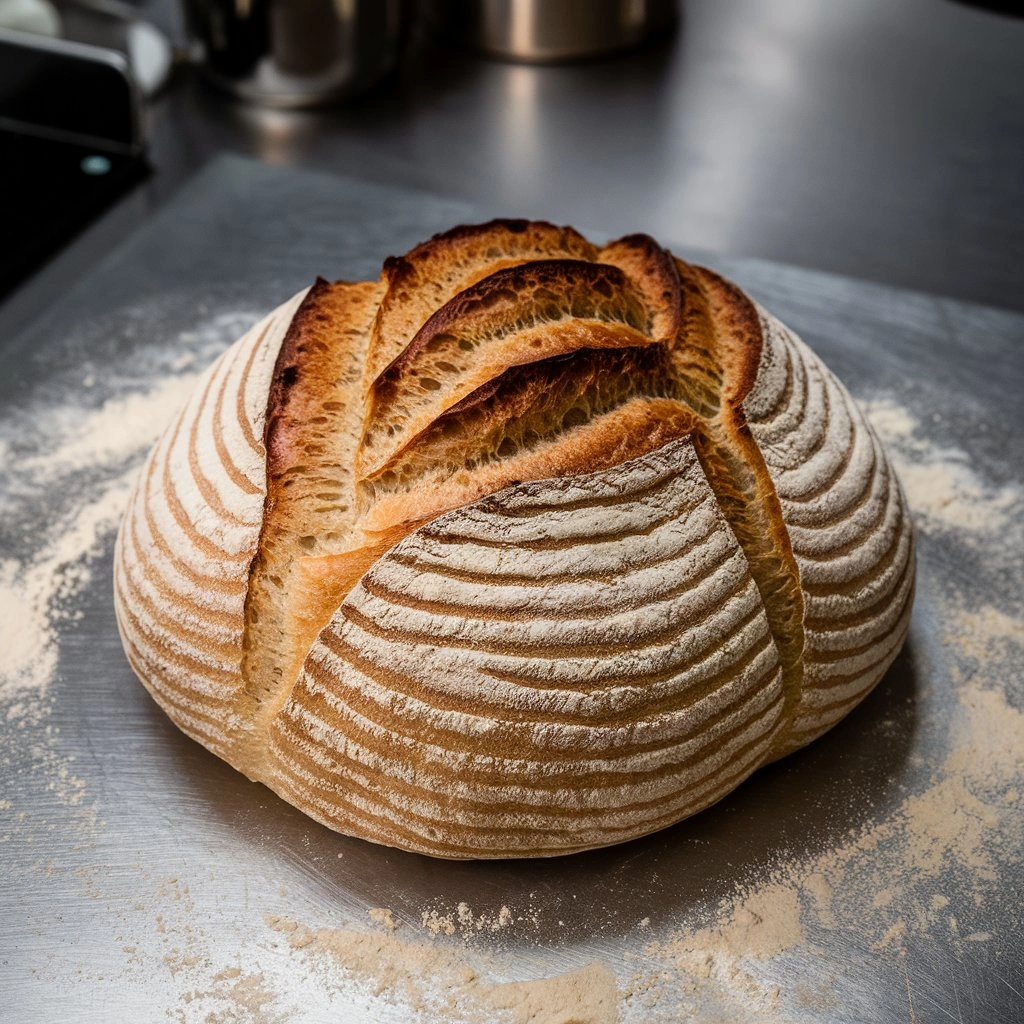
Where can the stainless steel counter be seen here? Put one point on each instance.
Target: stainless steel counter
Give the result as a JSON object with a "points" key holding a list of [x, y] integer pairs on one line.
{"points": [[874, 876], [880, 140], [876, 139]]}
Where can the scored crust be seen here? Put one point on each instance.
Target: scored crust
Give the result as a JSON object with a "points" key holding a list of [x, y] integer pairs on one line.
{"points": [[529, 546], [848, 523]]}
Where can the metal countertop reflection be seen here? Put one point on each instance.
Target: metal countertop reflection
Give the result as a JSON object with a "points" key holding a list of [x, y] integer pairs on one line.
{"points": [[880, 140]]}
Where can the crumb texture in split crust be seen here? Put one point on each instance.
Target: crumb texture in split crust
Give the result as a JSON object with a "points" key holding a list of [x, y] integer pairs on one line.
{"points": [[527, 547]]}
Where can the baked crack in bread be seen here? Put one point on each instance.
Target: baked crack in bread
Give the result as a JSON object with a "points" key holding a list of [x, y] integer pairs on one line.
{"points": [[527, 547]]}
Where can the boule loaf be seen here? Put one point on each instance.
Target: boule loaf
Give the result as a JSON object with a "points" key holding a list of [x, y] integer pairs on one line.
{"points": [[527, 547]]}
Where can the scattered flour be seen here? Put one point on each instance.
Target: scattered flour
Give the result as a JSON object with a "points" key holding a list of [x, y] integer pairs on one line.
{"points": [[69, 451], [35, 595], [67, 464], [439, 984], [118, 430], [929, 867], [926, 867], [882, 886], [383, 916], [943, 489], [233, 997], [466, 922]]}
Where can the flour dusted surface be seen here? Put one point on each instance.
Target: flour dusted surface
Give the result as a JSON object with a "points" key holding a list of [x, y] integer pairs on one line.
{"points": [[927, 869], [915, 870], [56, 561]]}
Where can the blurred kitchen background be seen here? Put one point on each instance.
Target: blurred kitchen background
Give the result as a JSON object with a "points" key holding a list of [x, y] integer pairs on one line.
{"points": [[882, 139]]}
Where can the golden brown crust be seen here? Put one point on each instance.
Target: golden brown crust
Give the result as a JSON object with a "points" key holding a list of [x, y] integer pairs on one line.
{"points": [[738, 328], [312, 391], [529, 422], [514, 316], [510, 299], [724, 334], [289, 366], [640, 425], [428, 276], [655, 273], [470, 243], [529, 546]]}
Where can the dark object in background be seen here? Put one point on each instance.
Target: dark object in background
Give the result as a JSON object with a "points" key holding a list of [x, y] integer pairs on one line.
{"points": [[296, 53], [541, 31], [70, 145], [1011, 8]]}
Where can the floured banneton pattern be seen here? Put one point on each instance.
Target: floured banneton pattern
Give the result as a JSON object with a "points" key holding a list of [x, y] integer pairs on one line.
{"points": [[189, 536], [848, 525], [528, 547], [565, 665]]}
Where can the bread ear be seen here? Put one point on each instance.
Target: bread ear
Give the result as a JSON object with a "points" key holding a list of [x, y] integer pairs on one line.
{"points": [[513, 317], [424, 279], [555, 417], [655, 274]]}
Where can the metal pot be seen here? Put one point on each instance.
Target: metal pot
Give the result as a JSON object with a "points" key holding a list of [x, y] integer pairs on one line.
{"points": [[538, 31], [295, 53]]}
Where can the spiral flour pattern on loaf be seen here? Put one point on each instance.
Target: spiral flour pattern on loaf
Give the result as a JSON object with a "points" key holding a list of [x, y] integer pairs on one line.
{"points": [[183, 556], [528, 547], [847, 522], [546, 667]]}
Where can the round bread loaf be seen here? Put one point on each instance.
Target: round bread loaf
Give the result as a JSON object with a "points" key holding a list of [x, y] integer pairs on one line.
{"points": [[526, 547]]}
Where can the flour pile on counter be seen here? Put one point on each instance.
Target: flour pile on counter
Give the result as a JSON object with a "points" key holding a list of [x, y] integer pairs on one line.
{"points": [[440, 984], [67, 461]]}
